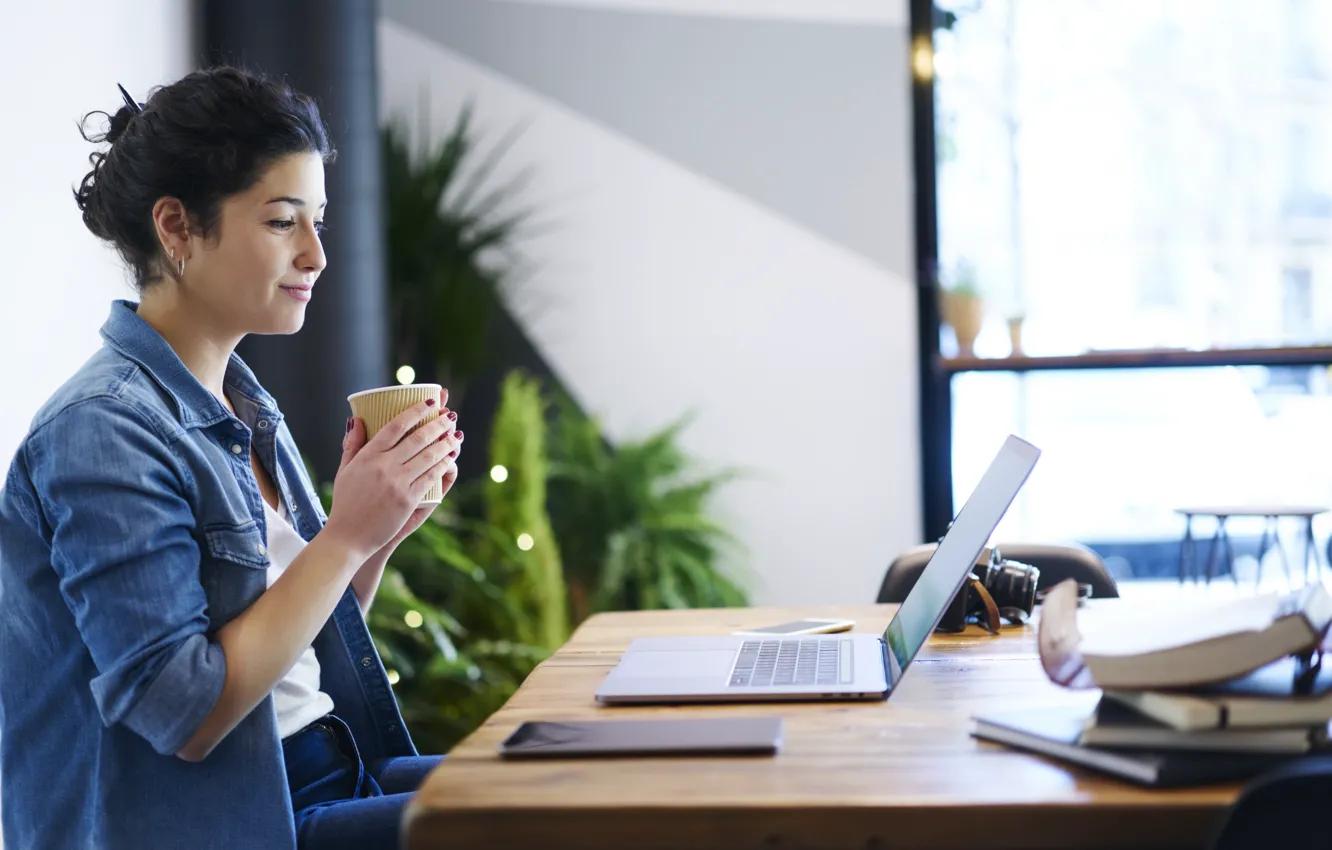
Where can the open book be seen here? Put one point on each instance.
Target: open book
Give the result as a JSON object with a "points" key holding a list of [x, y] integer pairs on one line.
{"points": [[1188, 647]]}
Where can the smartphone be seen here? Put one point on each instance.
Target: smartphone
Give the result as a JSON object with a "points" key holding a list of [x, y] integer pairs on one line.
{"points": [[809, 626], [695, 736]]}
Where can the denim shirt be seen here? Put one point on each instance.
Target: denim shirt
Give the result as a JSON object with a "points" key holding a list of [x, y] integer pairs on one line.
{"points": [[131, 530]]}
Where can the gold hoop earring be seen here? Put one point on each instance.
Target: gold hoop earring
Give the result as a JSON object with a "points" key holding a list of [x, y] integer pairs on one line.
{"points": [[180, 269]]}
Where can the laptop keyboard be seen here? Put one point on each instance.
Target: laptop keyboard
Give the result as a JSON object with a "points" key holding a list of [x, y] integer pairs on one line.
{"points": [[787, 661]]}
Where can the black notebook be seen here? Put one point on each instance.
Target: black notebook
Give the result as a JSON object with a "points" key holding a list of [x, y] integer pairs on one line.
{"points": [[1055, 733]]}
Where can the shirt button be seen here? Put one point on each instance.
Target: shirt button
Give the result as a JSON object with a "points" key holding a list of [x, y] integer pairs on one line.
{"points": [[261, 550], [239, 426], [236, 449], [263, 423], [366, 662]]}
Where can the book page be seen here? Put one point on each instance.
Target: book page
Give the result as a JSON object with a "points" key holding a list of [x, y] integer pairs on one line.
{"points": [[1166, 627]]}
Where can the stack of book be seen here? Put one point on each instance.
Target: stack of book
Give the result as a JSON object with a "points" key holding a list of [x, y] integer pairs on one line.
{"points": [[1217, 694]]}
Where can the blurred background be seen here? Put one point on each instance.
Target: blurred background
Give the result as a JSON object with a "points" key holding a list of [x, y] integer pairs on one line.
{"points": [[735, 297], [1129, 177], [677, 233]]}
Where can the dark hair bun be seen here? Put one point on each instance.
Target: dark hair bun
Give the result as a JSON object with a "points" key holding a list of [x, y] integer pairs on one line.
{"points": [[119, 123]]}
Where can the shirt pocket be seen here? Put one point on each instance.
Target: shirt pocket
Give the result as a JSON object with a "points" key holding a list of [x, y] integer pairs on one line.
{"points": [[233, 569], [241, 545]]}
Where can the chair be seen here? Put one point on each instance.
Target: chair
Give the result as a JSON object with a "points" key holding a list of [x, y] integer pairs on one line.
{"points": [[1056, 563], [1286, 807]]}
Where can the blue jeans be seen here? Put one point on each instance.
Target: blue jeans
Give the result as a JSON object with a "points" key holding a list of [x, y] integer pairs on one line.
{"points": [[341, 802]]}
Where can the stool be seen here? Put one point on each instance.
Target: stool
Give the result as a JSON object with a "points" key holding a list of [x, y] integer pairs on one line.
{"points": [[1271, 515]]}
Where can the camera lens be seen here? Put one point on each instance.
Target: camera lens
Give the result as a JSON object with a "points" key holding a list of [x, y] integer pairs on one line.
{"points": [[1013, 585]]}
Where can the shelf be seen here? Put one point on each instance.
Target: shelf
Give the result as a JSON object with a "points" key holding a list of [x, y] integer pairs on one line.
{"points": [[1151, 358]]}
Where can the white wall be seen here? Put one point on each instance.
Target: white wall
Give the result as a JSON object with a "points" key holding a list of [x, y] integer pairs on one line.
{"points": [[59, 280], [60, 59], [658, 289]]}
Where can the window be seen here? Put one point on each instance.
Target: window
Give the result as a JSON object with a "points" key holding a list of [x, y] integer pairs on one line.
{"points": [[1123, 175], [1303, 17], [1129, 176], [1297, 308], [1122, 449]]}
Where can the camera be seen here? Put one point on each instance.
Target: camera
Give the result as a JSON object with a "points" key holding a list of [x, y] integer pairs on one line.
{"points": [[996, 588], [1012, 585]]}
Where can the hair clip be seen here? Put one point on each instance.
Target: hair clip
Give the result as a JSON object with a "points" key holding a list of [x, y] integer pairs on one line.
{"points": [[129, 101]]}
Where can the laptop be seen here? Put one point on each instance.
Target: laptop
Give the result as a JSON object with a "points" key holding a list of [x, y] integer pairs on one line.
{"points": [[834, 667]]}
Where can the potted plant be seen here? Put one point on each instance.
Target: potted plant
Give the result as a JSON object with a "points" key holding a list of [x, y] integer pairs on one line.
{"points": [[963, 308]]}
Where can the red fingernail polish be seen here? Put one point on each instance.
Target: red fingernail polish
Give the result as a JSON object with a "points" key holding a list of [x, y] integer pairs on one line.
{"points": [[351, 423], [452, 416], [430, 402], [453, 454], [457, 435]]}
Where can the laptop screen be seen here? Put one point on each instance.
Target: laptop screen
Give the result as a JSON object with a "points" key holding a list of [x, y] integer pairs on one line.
{"points": [[947, 569]]}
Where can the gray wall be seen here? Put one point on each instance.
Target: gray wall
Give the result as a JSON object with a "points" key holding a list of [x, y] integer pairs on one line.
{"points": [[804, 117]]}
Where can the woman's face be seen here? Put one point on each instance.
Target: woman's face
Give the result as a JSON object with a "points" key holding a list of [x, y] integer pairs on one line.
{"points": [[257, 271]]}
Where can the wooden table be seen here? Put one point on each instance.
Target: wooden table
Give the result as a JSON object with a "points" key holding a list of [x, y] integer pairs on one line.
{"points": [[1271, 515], [901, 773]]}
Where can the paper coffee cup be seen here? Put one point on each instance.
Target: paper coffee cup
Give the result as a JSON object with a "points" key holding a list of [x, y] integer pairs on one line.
{"points": [[380, 406]]}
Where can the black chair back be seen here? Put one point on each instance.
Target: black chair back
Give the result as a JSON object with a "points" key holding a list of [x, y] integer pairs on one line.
{"points": [[1055, 561], [1285, 808]]}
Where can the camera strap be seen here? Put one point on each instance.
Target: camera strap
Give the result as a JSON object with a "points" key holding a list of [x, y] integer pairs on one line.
{"points": [[991, 621]]}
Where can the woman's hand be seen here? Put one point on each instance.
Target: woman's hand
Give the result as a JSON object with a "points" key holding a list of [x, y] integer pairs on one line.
{"points": [[380, 483], [421, 514]]}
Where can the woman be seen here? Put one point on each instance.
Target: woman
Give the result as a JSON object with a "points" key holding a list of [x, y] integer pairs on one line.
{"points": [[185, 657]]}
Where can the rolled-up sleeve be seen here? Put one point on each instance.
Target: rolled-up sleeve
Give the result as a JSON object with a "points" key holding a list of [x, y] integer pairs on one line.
{"points": [[123, 546]]}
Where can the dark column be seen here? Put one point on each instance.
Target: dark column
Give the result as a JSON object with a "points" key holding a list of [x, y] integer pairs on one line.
{"points": [[326, 49], [936, 428]]}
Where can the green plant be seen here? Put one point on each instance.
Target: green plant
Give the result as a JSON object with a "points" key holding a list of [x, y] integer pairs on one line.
{"points": [[445, 627], [632, 524], [963, 281], [516, 505], [450, 248]]}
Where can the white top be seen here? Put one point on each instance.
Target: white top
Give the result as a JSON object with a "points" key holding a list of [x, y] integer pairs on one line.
{"points": [[297, 698]]}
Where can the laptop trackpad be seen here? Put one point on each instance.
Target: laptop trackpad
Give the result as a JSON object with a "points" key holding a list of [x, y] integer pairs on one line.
{"points": [[677, 663]]}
